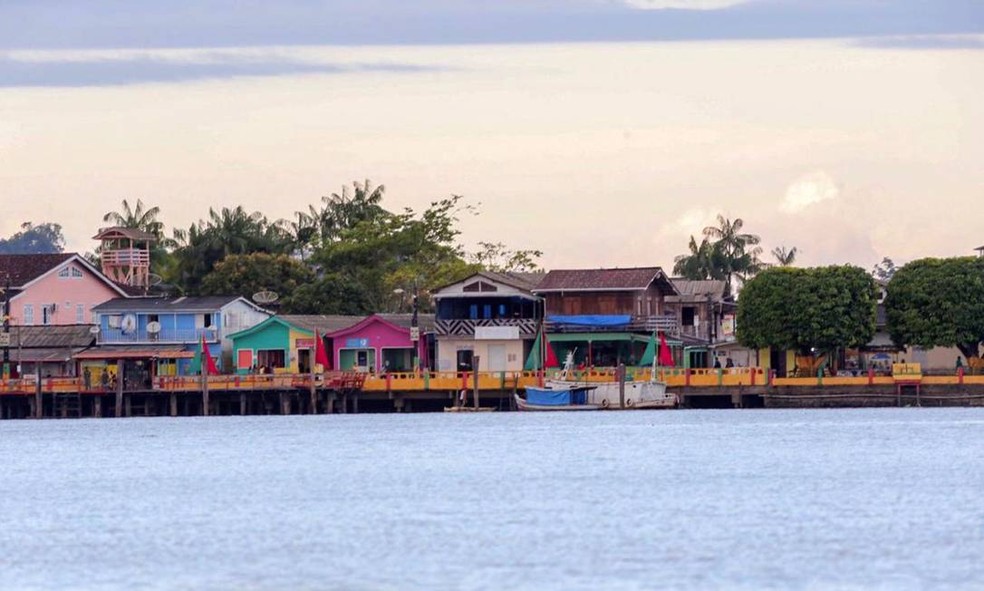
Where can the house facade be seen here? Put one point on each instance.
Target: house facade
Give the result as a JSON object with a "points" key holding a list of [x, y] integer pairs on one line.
{"points": [[607, 316], [494, 316], [382, 343], [161, 335], [54, 289], [706, 316]]}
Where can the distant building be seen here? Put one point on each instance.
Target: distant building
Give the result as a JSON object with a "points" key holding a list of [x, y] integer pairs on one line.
{"points": [[492, 315], [54, 289], [607, 316]]}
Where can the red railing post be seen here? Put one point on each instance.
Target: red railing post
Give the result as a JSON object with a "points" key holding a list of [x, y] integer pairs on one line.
{"points": [[686, 377], [389, 382], [960, 375], [871, 376]]}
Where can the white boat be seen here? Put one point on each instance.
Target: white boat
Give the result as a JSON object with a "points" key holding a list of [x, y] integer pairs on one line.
{"points": [[639, 394]]}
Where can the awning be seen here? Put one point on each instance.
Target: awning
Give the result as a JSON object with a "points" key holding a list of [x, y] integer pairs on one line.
{"points": [[43, 355], [137, 352], [603, 337], [597, 320]]}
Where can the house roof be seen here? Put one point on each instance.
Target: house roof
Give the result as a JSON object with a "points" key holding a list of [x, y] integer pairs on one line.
{"points": [[53, 336], [320, 322], [691, 290], [136, 352], [628, 279], [21, 269], [167, 304], [520, 281], [118, 232], [424, 321]]}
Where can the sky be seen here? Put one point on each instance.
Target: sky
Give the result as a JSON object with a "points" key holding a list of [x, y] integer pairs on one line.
{"points": [[603, 132]]}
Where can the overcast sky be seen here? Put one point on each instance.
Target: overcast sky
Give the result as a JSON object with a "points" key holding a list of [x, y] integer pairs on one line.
{"points": [[603, 132]]}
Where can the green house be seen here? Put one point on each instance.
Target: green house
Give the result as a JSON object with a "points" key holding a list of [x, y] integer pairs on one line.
{"points": [[283, 344]]}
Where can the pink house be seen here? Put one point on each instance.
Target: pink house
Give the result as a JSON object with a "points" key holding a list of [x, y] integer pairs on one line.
{"points": [[53, 289], [380, 342]]}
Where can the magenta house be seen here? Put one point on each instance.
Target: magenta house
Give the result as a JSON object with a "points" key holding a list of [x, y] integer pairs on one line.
{"points": [[381, 343]]}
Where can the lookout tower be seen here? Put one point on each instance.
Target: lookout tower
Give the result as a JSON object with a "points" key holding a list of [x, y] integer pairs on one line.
{"points": [[125, 254]]}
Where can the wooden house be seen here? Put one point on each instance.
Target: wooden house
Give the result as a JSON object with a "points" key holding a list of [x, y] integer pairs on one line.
{"points": [[607, 316], [492, 315]]}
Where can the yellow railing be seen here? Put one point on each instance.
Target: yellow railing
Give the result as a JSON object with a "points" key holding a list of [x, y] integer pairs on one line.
{"points": [[453, 381]]}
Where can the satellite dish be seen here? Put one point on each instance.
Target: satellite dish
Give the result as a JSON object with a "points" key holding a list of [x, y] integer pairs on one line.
{"points": [[129, 324], [154, 279], [153, 327], [94, 329], [265, 297]]}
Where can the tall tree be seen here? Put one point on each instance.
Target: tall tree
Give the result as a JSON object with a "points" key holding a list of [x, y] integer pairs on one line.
{"points": [[784, 257], [42, 238], [247, 274], [822, 308], [225, 232], [884, 270], [738, 251], [138, 217], [496, 257], [703, 262], [938, 302]]}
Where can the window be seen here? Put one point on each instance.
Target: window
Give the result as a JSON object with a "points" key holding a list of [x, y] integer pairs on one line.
{"points": [[271, 358], [69, 272], [47, 314], [473, 312], [28, 314], [207, 321], [79, 314], [688, 316]]}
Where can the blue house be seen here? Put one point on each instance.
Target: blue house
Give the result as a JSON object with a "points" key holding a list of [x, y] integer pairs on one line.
{"points": [[159, 336]]}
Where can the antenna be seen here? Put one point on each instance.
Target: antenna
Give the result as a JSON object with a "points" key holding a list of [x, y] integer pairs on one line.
{"points": [[154, 279], [153, 327], [94, 329], [265, 297]]}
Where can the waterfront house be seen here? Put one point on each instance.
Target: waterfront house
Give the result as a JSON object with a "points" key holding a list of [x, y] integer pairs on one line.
{"points": [[382, 343], [161, 335], [53, 289], [48, 351], [492, 315], [607, 316], [706, 314], [283, 343]]}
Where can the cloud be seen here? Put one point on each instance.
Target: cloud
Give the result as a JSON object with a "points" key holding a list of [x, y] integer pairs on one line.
{"points": [[808, 190], [112, 68], [683, 4]]}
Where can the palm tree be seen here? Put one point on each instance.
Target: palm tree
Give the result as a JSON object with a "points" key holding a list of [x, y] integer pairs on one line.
{"points": [[138, 218], [700, 263], [784, 257], [738, 251]]}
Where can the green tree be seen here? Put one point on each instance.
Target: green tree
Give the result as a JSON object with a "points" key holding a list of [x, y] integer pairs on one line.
{"points": [[703, 262], [938, 302], [822, 308], [784, 257], [737, 251], [225, 232], [44, 238], [246, 274], [496, 257]]}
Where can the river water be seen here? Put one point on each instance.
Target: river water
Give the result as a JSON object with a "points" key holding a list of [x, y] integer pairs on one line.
{"points": [[813, 499]]}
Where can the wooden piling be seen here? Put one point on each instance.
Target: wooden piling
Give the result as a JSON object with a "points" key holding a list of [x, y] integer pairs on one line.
{"points": [[475, 364], [119, 388], [242, 403], [205, 399], [174, 404], [621, 385]]}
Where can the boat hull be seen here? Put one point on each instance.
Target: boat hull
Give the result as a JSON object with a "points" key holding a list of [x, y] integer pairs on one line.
{"points": [[638, 394], [523, 405]]}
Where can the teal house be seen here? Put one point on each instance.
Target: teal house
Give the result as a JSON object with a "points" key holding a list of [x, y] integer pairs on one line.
{"points": [[283, 344]]}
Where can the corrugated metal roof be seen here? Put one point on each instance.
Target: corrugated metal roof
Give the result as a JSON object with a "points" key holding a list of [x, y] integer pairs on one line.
{"points": [[697, 290], [136, 352], [53, 336], [424, 321], [321, 322], [629, 279], [120, 232], [154, 305]]}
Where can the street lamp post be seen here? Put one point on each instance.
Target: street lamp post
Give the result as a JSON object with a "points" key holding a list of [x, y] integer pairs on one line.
{"points": [[5, 338], [414, 330]]}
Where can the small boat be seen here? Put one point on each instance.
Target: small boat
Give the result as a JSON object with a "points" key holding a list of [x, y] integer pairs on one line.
{"points": [[557, 398], [468, 409], [638, 394]]}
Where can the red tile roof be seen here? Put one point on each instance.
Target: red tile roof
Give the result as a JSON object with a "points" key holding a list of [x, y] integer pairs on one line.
{"points": [[24, 268], [630, 279]]}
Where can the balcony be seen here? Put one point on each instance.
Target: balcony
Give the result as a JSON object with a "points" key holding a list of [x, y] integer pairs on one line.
{"points": [[466, 327], [126, 256], [116, 336], [644, 324]]}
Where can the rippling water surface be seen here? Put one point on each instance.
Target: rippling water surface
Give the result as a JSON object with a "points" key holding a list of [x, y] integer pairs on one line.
{"points": [[886, 498]]}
